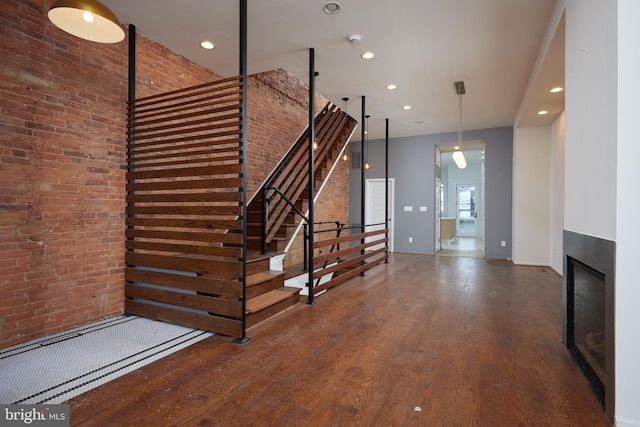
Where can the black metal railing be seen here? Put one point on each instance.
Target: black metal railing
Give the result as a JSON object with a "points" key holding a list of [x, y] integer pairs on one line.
{"points": [[359, 256]]}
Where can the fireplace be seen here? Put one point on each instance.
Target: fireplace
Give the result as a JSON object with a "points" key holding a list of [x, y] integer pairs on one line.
{"points": [[588, 321]]}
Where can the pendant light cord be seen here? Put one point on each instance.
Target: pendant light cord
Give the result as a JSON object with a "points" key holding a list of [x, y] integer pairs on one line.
{"points": [[460, 121]]}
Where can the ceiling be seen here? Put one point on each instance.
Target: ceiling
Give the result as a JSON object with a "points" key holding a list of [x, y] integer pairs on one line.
{"points": [[422, 46]]}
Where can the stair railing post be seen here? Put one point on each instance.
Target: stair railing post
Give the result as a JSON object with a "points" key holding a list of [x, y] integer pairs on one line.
{"points": [[362, 181], [386, 190], [243, 73], [265, 220], [312, 136], [305, 248]]}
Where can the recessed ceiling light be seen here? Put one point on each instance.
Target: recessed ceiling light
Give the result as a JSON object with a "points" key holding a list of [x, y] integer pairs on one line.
{"points": [[368, 55], [332, 7], [407, 107], [207, 45], [542, 112], [556, 89], [392, 86]]}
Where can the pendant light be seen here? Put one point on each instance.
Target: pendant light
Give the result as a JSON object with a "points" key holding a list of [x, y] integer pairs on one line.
{"points": [[87, 19], [345, 156], [458, 156]]}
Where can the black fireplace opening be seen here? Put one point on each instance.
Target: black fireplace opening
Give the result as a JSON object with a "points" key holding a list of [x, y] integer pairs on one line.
{"points": [[586, 337]]}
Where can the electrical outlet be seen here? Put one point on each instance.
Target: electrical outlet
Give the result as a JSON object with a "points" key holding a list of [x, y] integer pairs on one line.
{"points": [[410, 239], [503, 243]]}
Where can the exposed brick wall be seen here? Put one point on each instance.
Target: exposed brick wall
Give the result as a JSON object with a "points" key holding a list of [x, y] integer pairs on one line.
{"points": [[61, 177], [277, 112], [62, 157]]}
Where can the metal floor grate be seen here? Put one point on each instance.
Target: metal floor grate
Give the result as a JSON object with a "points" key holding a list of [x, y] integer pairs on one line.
{"points": [[58, 367]]}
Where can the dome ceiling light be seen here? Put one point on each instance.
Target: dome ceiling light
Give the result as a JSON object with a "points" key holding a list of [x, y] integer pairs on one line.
{"points": [[87, 19]]}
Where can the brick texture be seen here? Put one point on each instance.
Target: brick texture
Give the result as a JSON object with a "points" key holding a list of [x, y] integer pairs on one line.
{"points": [[62, 160]]}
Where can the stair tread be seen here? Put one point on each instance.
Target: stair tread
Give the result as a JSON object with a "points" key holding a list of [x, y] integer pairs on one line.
{"points": [[263, 276], [270, 298]]}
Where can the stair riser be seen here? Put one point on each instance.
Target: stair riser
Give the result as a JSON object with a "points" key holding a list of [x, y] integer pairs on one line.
{"points": [[264, 287], [258, 266], [255, 318]]}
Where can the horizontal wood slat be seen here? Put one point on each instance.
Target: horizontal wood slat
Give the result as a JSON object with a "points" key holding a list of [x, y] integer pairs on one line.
{"points": [[196, 184], [186, 172], [199, 236], [186, 223], [222, 251], [184, 210], [213, 196], [227, 138], [229, 288], [236, 157], [211, 323], [221, 306], [201, 150], [209, 267]]}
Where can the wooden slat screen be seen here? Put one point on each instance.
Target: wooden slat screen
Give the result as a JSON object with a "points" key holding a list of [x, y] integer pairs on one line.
{"points": [[184, 250]]}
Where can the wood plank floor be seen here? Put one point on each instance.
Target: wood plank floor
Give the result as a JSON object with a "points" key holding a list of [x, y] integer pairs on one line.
{"points": [[421, 341]]}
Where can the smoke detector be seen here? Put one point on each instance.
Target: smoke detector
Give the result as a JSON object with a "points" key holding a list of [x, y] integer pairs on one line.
{"points": [[354, 38]]}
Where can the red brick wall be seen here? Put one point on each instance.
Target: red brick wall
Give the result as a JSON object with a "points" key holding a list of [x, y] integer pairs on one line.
{"points": [[277, 112], [62, 159]]}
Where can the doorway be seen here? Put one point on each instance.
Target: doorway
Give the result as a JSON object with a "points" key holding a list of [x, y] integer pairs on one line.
{"points": [[459, 222], [375, 206]]}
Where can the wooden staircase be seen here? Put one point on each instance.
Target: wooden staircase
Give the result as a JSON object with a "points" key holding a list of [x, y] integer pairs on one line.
{"points": [[266, 293], [333, 129]]}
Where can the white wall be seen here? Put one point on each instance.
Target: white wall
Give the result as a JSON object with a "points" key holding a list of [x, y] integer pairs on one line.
{"points": [[531, 195], [557, 192], [627, 214], [590, 106]]}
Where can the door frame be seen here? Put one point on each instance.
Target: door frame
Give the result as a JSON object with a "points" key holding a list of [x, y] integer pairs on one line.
{"points": [[368, 203]]}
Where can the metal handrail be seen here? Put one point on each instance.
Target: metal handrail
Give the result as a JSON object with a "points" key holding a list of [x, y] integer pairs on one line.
{"points": [[274, 174], [265, 213]]}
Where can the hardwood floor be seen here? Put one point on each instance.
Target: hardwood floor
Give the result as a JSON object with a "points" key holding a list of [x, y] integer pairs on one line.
{"points": [[421, 341]]}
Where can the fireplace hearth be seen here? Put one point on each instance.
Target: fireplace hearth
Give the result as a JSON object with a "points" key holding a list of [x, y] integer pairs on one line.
{"points": [[588, 321]]}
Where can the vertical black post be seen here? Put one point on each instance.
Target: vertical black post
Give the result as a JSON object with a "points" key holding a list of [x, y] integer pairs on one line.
{"points": [[305, 248], [386, 187], [132, 62], [131, 96], [312, 137], [243, 136], [264, 219], [362, 161]]}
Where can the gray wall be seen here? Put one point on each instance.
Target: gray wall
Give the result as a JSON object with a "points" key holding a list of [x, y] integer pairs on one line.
{"points": [[412, 164]]}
